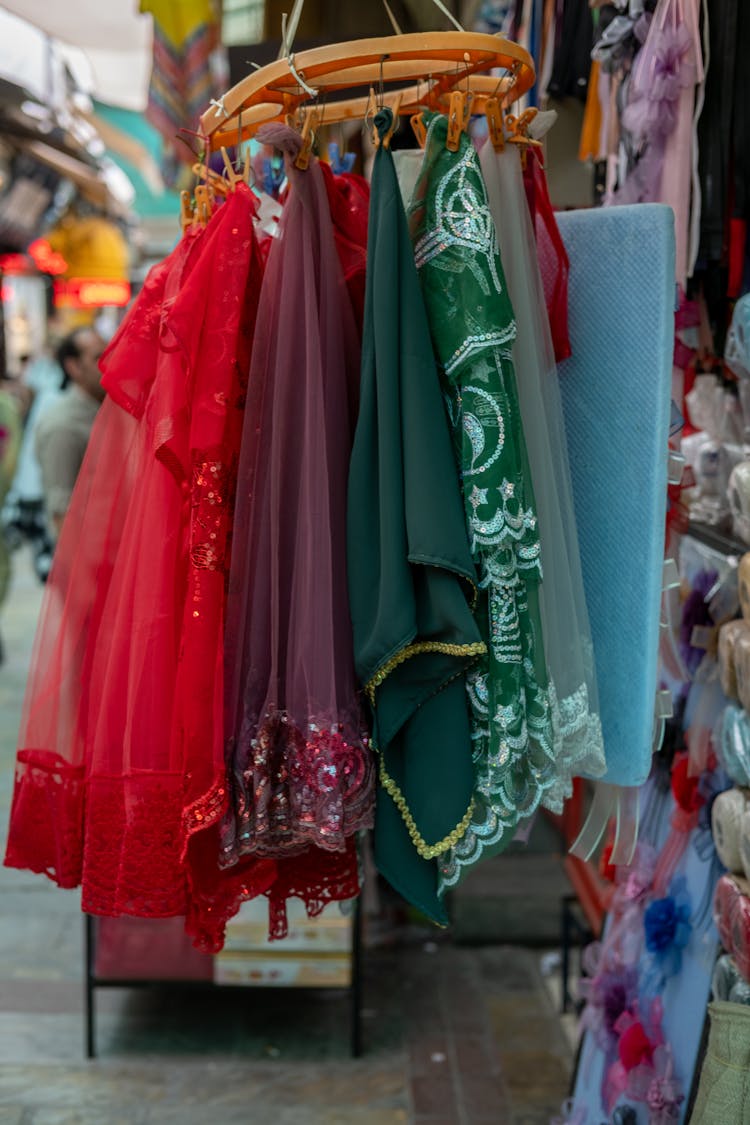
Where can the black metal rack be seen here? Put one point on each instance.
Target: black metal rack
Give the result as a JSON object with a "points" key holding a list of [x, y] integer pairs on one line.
{"points": [[92, 982]]}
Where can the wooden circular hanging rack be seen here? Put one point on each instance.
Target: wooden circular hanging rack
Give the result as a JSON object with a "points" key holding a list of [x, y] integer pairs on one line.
{"points": [[424, 68]]}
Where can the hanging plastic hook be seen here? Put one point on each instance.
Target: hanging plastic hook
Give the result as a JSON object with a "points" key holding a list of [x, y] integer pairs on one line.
{"points": [[288, 30]]}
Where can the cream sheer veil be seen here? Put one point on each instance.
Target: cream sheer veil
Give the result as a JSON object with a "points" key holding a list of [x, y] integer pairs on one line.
{"points": [[567, 635]]}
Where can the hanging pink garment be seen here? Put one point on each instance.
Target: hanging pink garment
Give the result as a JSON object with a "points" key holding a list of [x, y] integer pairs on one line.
{"points": [[659, 117], [300, 768], [677, 177]]}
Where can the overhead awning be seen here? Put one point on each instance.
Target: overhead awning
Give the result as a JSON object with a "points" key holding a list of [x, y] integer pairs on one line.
{"points": [[108, 38], [86, 179]]}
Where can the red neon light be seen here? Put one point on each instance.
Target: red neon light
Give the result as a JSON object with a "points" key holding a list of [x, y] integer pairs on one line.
{"points": [[91, 293], [45, 258], [14, 263]]}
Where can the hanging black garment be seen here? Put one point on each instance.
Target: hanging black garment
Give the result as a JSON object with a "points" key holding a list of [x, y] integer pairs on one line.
{"points": [[572, 61], [715, 127], [741, 121]]}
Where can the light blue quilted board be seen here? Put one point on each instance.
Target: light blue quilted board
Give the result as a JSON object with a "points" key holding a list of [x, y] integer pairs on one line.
{"points": [[616, 391]]}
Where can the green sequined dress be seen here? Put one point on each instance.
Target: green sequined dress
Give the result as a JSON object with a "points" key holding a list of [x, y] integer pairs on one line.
{"points": [[472, 328]]}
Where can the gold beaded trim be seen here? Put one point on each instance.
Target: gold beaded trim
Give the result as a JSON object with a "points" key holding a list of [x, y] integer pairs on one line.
{"points": [[427, 851], [477, 648]]}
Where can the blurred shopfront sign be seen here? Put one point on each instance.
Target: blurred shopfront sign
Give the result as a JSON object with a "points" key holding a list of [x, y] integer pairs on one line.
{"points": [[97, 263], [91, 293]]}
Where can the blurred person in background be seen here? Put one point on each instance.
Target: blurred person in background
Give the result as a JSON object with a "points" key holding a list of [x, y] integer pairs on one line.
{"points": [[10, 441], [25, 521], [63, 429]]}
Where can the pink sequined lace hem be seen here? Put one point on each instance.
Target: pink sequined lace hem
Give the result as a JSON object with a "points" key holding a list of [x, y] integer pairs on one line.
{"points": [[299, 788]]}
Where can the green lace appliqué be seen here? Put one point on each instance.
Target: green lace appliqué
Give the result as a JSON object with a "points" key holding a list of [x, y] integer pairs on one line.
{"points": [[473, 329]]}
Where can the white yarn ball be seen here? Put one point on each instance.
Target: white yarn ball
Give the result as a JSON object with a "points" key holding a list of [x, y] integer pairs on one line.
{"points": [[726, 821]]}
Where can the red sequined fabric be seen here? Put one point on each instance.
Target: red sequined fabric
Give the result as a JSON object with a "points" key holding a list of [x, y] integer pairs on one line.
{"points": [[301, 787]]}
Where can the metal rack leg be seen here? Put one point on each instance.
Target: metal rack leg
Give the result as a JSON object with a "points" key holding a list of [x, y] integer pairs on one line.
{"points": [[90, 1006], [565, 927], [355, 988]]}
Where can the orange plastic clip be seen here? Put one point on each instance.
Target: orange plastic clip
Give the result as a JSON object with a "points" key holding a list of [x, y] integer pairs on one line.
{"points": [[519, 132], [494, 113]]}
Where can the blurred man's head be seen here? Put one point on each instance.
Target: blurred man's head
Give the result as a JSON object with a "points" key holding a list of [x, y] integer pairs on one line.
{"points": [[78, 355]]}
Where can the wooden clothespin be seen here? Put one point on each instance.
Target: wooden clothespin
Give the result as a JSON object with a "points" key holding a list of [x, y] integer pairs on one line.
{"points": [[203, 206], [247, 171], [494, 113], [420, 131], [186, 211], [215, 183], [395, 108], [233, 177], [308, 137], [459, 112]]}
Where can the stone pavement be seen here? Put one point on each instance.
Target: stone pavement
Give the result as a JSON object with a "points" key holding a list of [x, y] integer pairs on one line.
{"points": [[454, 1035]]}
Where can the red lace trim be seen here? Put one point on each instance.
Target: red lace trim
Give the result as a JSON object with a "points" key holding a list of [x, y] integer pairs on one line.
{"points": [[317, 878], [216, 896], [46, 817], [120, 839]]}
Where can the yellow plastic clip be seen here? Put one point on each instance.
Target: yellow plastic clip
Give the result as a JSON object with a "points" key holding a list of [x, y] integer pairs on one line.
{"points": [[494, 114], [418, 125], [308, 137], [459, 113]]}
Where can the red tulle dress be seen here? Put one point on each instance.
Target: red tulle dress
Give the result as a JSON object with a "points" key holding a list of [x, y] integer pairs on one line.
{"points": [[120, 782], [349, 201]]}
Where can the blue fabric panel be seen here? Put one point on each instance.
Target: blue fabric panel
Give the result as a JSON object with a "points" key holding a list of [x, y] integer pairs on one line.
{"points": [[616, 391]]}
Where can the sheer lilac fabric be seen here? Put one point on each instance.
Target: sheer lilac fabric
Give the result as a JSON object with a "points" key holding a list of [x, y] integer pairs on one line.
{"points": [[300, 769]]}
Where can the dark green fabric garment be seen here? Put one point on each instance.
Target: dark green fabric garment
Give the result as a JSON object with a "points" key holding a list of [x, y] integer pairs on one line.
{"points": [[411, 576]]}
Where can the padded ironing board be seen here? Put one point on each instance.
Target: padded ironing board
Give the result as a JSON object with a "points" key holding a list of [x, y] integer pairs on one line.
{"points": [[616, 391]]}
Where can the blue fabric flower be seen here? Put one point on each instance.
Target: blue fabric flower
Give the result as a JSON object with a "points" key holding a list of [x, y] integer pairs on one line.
{"points": [[660, 921], [668, 929]]}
